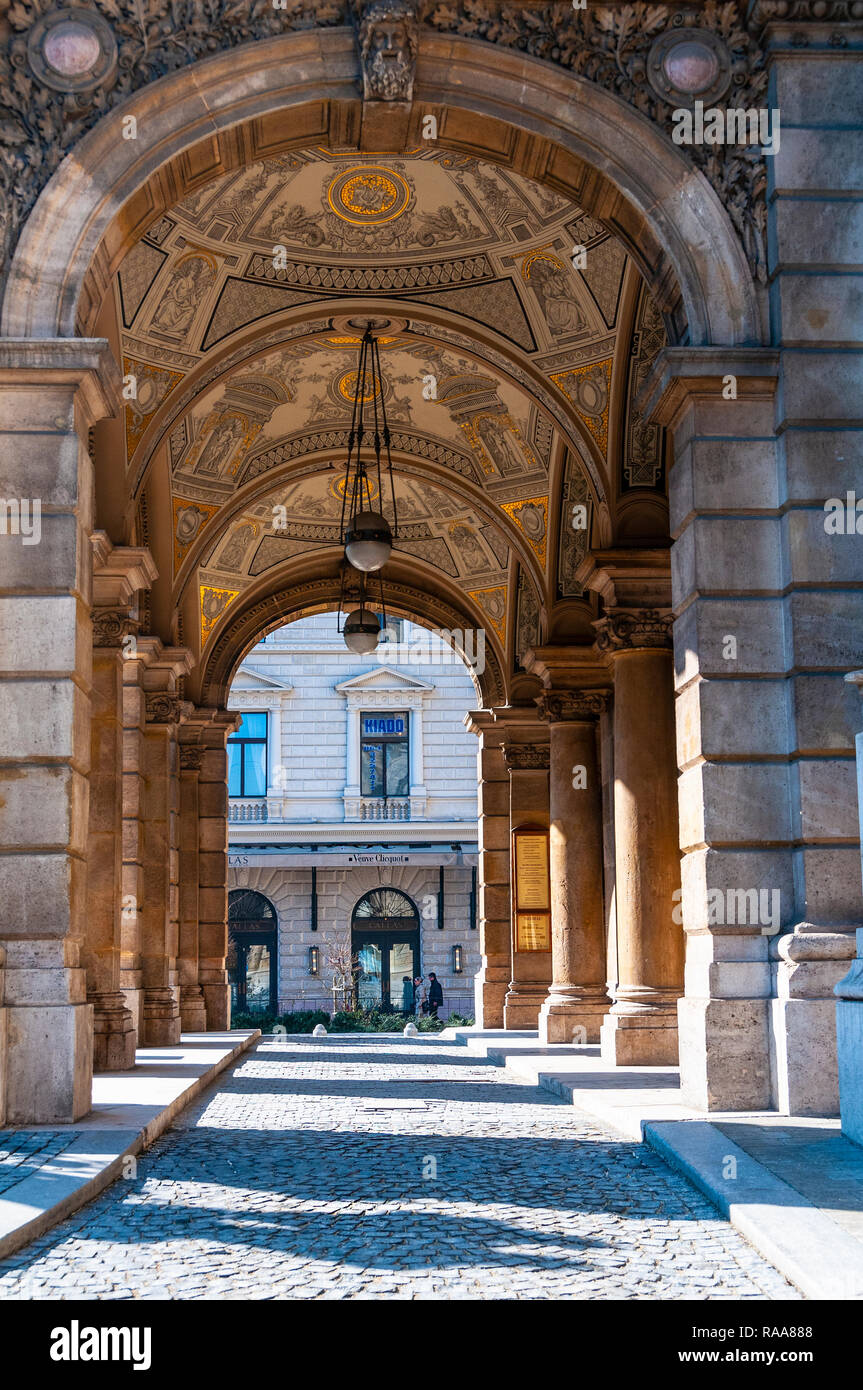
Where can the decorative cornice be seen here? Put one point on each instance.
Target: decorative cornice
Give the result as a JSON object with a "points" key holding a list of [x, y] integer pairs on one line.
{"points": [[565, 706], [526, 757], [628, 629]]}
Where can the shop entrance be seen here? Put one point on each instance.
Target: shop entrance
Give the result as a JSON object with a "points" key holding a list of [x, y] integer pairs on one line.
{"points": [[385, 935]]}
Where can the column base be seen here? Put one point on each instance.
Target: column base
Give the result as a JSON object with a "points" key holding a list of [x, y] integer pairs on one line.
{"points": [[724, 1053], [162, 1025], [522, 1004], [114, 1035], [570, 1019], [49, 1063], [644, 1039], [217, 999], [489, 995], [193, 1009]]}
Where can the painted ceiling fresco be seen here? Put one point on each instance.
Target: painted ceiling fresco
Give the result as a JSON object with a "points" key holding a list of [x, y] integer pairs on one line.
{"points": [[230, 313]]}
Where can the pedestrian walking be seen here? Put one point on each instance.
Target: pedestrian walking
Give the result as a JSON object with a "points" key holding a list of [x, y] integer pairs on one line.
{"points": [[435, 995], [407, 995], [420, 1005]]}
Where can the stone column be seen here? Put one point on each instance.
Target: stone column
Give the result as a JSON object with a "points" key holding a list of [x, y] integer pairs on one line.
{"points": [[213, 869], [527, 762], [118, 575], [495, 972], [51, 393], [193, 1012], [160, 915], [3, 1047], [577, 1001], [849, 993], [641, 1028]]}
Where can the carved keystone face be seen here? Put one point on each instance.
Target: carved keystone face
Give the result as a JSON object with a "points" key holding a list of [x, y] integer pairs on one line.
{"points": [[389, 40]]}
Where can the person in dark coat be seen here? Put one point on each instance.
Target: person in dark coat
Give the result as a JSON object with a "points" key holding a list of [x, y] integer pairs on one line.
{"points": [[407, 995], [435, 995]]}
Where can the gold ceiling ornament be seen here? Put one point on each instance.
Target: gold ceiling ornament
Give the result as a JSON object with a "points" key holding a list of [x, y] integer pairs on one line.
{"points": [[214, 602], [589, 389], [338, 485], [190, 517], [493, 604], [531, 518], [347, 387], [368, 195]]}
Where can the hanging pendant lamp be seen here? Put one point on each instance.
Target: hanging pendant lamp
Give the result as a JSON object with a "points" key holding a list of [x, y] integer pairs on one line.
{"points": [[364, 531]]}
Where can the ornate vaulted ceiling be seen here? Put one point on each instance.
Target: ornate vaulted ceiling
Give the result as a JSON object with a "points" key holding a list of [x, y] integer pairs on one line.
{"points": [[511, 360]]}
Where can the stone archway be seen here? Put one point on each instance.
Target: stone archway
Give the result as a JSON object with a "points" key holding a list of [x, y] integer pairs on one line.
{"points": [[570, 133], [743, 517]]}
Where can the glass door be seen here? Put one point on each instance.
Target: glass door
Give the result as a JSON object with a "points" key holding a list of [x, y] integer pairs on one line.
{"points": [[370, 978]]}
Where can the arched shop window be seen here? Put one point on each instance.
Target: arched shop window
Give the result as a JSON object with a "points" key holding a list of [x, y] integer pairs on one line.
{"points": [[252, 952], [385, 938]]}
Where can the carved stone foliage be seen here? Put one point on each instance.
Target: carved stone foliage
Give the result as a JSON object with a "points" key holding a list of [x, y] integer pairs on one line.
{"points": [[627, 629], [110, 626], [154, 37], [191, 758], [563, 706], [526, 757], [163, 708]]}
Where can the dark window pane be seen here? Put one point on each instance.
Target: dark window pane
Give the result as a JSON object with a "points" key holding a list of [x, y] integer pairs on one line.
{"points": [[256, 769], [235, 754], [372, 763], [397, 769]]}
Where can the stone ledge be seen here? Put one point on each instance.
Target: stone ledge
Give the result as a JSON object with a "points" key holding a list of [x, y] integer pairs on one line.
{"points": [[130, 1110]]}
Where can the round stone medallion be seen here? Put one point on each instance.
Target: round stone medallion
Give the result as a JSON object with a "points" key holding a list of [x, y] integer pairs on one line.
{"points": [[72, 50], [687, 65], [368, 195]]}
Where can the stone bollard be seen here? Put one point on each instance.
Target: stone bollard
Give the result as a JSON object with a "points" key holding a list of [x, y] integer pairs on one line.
{"points": [[411, 1030], [319, 1031]]}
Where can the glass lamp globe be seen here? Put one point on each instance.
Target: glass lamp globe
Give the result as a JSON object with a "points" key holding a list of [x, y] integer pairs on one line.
{"points": [[368, 541], [361, 631]]}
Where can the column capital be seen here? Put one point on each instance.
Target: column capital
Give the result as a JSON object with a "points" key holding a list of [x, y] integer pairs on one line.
{"points": [[526, 757], [629, 578], [627, 629], [573, 706], [85, 365], [681, 373]]}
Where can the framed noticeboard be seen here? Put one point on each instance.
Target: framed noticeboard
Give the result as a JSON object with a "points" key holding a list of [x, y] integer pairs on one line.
{"points": [[531, 890]]}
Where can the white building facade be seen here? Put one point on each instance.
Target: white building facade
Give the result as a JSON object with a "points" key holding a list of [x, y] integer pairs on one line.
{"points": [[353, 820]]}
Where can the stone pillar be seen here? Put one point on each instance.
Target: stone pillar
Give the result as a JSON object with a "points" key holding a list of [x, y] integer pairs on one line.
{"points": [[495, 972], [193, 1012], [51, 393], [3, 1048], [815, 76], [577, 1001], [118, 575], [213, 869], [735, 822], [635, 635], [526, 753], [849, 992], [160, 906]]}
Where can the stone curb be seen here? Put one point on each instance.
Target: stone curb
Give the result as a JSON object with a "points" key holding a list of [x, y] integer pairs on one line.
{"points": [[802, 1242], [812, 1251], [100, 1154]]}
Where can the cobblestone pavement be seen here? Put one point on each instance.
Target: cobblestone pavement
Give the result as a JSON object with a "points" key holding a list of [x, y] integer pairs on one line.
{"points": [[378, 1168], [24, 1151]]}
